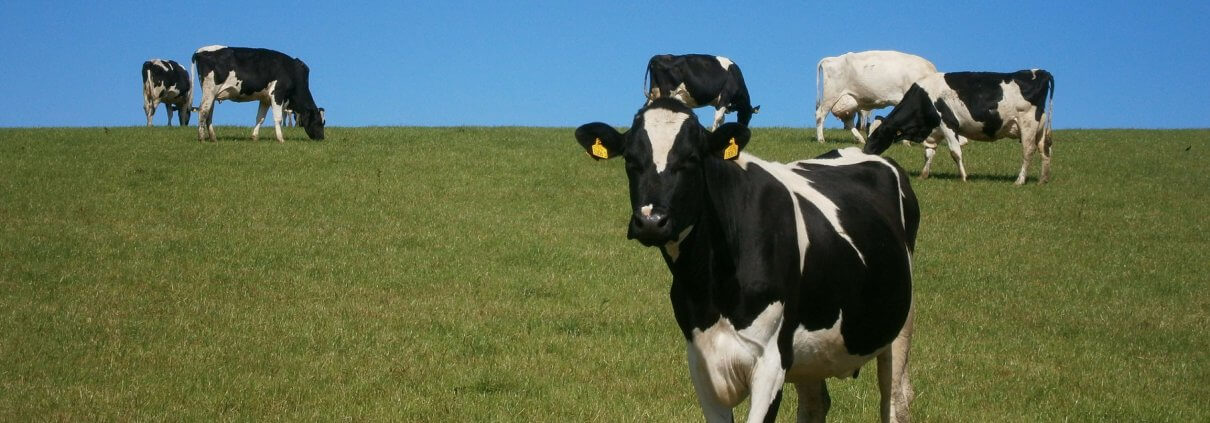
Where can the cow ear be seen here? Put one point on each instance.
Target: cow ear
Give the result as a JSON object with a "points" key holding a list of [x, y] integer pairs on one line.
{"points": [[877, 122], [599, 140], [728, 140]]}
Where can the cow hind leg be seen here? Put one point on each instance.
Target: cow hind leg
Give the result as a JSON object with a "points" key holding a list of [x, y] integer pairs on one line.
{"points": [[260, 119], [813, 401], [1029, 143], [149, 110], [1044, 145], [205, 113], [820, 115], [894, 385]]}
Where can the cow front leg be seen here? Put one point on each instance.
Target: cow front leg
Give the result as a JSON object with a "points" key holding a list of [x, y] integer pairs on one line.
{"points": [[930, 150], [813, 401], [894, 385], [712, 407], [149, 110], [767, 379], [277, 119], [168, 111], [261, 109], [720, 114], [955, 147]]}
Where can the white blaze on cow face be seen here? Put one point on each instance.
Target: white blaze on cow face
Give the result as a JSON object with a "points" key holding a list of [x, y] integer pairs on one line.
{"points": [[662, 127]]}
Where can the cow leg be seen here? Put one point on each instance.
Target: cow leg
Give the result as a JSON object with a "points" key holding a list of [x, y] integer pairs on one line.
{"points": [[1029, 143], [168, 108], [260, 118], [767, 379], [720, 114], [893, 382], [205, 114], [277, 119], [1044, 143], [149, 109], [955, 148], [930, 150], [813, 401], [713, 409]]}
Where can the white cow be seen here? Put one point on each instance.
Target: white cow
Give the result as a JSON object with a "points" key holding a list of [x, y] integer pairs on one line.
{"points": [[855, 83]]}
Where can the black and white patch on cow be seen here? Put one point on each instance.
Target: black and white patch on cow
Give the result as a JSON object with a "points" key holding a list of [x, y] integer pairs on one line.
{"points": [[242, 74], [793, 272], [853, 84], [985, 106], [700, 80], [166, 81]]}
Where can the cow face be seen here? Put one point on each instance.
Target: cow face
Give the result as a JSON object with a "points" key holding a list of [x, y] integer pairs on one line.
{"points": [[914, 119], [666, 152], [312, 123]]}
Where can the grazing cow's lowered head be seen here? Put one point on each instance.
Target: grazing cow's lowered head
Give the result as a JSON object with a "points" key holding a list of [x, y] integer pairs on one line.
{"points": [[665, 151]]}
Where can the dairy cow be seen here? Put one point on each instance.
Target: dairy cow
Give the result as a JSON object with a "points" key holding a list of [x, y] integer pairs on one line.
{"points": [[166, 81], [792, 272], [855, 83], [255, 74], [984, 106], [700, 80]]}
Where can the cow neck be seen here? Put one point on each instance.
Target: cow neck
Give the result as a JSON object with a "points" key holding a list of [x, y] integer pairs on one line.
{"points": [[704, 284]]}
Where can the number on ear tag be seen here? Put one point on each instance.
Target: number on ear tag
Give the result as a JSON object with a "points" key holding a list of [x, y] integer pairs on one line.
{"points": [[599, 150], [731, 151]]}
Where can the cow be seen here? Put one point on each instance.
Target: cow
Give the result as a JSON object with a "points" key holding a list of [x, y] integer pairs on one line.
{"points": [[291, 119], [985, 106], [855, 83], [166, 81], [780, 272], [700, 80], [255, 74]]}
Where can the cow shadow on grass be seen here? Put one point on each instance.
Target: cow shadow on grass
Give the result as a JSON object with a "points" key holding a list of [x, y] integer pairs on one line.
{"points": [[248, 138], [970, 177]]}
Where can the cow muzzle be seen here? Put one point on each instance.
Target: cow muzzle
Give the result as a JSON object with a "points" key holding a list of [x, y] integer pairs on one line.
{"points": [[650, 227]]}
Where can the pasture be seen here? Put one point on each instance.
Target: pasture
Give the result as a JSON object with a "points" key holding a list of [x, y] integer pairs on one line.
{"points": [[482, 274]]}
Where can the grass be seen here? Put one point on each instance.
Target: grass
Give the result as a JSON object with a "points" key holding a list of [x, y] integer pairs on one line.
{"points": [[482, 274]]}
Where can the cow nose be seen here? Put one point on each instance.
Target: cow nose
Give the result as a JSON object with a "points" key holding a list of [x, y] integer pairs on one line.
{"points": [[649, 227]]}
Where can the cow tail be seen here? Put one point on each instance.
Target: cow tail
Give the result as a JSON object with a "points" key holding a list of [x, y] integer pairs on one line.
{"points": [[1050, 109], [192, 72], [818, 87], [647, 82]]}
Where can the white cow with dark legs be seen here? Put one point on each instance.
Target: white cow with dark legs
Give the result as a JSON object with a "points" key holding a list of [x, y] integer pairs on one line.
{"points": [[166, 81], [986, 106], [242, 74], [794, 272], [855, 83]]}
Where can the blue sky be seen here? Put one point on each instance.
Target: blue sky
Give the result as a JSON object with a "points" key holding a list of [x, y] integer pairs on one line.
{"points": [[1117, 64]]}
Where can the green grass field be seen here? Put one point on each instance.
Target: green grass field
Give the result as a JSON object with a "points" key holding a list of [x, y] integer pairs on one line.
{"points": [[482, 274]]}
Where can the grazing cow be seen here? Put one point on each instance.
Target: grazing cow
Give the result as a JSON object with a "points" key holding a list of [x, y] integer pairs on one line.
{"points": [[166, 81], [983, 106], [255, 74], [780, 272], [855, 83], [291, 119], [700, 80]]}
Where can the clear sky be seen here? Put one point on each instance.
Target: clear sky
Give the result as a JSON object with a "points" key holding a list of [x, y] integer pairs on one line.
{"points": [[1117, 64]]}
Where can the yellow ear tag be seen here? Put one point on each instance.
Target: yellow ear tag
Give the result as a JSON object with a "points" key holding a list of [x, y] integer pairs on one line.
{"points": [[599, 150], [731, 151]]}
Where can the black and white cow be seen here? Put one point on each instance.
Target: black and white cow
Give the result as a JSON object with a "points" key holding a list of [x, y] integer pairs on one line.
{"points": [[700, 80], [166, 81], [780, 272], [985, 106], [255, 74]]}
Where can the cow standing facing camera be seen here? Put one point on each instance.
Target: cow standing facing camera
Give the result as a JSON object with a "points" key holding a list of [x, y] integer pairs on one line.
{"points": [[166, 81], [793, 272]]}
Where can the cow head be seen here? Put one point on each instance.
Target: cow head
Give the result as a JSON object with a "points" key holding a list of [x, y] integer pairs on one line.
{"points": [[913, 119], [312, 122], [667, 152]]}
